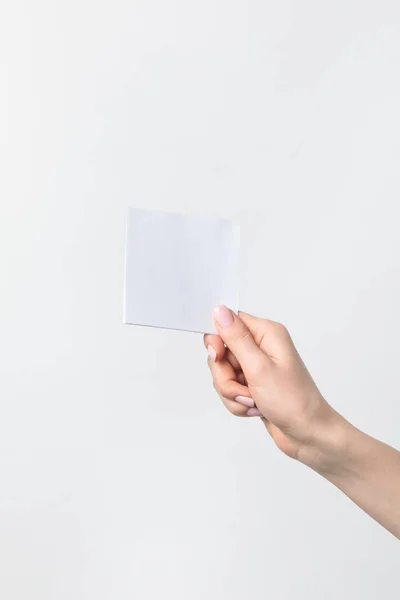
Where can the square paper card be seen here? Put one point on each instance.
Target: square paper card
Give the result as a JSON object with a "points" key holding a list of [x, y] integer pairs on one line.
{"points": [[178, 268]]}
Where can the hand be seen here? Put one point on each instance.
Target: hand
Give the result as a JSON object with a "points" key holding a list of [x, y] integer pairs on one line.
{"points": [[257, 371], [260, 373]]}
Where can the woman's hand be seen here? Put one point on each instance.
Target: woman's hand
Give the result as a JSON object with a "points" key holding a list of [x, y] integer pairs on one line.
{"points": [[257, 371], [260, 373]]}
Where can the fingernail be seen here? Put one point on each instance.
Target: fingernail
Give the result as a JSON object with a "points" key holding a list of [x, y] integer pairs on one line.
{"points": [[211, 353], [254, 412], [223, 316], [245, 401]]}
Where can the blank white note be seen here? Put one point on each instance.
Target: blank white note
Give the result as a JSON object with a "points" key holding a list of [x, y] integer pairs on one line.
{"points": [[178, 268]]}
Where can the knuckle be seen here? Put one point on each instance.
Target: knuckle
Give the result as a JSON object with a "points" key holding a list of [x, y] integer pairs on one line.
{"points": [[223, 391], [242, 336], [281, 329], [237, 410]]}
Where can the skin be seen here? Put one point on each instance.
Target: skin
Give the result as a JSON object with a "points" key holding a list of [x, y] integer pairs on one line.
{"points": [[258, 372]]}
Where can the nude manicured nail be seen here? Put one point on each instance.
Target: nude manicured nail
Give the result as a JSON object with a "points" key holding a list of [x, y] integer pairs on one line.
{"points": [[223, 316], [211, 353], [245, 401], [254, 412]]}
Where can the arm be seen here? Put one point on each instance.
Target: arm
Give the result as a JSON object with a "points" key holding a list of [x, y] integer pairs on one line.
{"points": [[258, 372], [365, 469]]}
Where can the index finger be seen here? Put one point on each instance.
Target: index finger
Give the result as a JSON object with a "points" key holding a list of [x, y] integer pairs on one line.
{"points": [[215, 346]]}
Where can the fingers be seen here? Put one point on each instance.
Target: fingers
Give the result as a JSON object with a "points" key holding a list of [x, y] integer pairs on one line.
{"points": [[234, 395], [233, 360], [273, 338], [241, 342], [215, 346], [217, 350]]}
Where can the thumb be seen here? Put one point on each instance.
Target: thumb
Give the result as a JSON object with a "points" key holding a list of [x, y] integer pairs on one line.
{"points": [[240, 341]]}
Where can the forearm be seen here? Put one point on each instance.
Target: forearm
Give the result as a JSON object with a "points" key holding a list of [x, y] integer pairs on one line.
{"points": [[365, 469]]}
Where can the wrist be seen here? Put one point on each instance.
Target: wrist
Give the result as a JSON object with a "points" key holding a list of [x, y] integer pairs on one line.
{"points": [[328, 450]]}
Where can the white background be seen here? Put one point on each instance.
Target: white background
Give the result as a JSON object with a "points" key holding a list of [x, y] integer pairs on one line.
{"points": [[121, 475]]}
